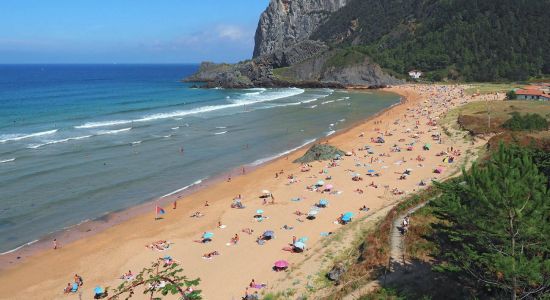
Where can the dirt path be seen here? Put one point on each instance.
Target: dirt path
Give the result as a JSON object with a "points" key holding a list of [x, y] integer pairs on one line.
{"points": [[397, 263]]}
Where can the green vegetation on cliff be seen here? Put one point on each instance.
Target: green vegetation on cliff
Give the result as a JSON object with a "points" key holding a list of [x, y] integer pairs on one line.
{"points": [[472, 40]]}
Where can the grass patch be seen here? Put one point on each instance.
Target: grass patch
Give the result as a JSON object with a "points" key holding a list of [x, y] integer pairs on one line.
{"points": [[491, 88], [416, 244], [474, 117], [284, 74]]}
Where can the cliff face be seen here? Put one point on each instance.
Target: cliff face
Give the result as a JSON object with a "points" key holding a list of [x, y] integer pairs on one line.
{"points": [[285, 53], [287, 22]]}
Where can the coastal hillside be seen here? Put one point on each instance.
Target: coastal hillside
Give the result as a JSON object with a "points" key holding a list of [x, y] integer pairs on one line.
{"points": [[343, 43], [460, 39]]}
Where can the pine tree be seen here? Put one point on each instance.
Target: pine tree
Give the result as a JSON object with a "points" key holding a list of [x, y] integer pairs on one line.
{"points": [[497, 225]]}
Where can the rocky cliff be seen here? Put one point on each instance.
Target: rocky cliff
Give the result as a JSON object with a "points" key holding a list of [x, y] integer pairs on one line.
{"points": [[285, 54], [287, 22]]}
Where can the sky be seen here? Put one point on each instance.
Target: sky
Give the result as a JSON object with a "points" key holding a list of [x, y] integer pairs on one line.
{"points": [[127, 31]]}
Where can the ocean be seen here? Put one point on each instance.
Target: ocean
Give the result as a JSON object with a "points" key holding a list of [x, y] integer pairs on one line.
{"points": [[80, 141]]}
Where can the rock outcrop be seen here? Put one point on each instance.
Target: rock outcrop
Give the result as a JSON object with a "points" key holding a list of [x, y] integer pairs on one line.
{"points": [[286, 22], [284, 54]]}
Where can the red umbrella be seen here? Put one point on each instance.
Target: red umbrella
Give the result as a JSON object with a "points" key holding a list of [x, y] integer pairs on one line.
{"points": [[281, 264]]}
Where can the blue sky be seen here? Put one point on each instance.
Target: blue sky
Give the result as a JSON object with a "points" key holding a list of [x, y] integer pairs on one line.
{"points": [[127, 31]]}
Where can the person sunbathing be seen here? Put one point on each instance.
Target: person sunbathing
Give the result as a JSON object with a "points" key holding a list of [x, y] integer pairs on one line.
{"points": [[210, 254], [197, 214], [364, 208], [359, 191], [248, 230]]}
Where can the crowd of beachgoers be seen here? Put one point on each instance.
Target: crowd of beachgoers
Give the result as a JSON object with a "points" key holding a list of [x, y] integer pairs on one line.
{"points": [[260, 225]]}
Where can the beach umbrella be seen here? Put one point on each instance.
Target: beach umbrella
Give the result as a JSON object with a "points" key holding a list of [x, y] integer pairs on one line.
{"points": [[167, 257], [371, 171], [313, 212], [266, 192], [303, 239], [98, 290], [328, 187], [356, 175], [207, 235], [347, 216], [300, 245], [281, 264], [269, 233], [320, 183], [259, 212], [323, 202]]}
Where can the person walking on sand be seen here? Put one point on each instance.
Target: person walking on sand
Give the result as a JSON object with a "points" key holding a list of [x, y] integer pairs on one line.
{"points": [[175, 204], [55, 245]]}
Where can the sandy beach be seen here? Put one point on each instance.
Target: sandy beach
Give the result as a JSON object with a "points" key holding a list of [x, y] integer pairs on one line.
{"points": [[405, 163]]}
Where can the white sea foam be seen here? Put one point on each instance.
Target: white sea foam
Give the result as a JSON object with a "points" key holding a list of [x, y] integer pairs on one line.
{"points": [[13, 250], [313, 106], [246, 99], [184, 188], [103, 124], [36, 146], [104, 132], [175, 128], [218, 133], [21, 136], [136, 143], [221, 127], [270, 158], [7, 160], [327, 102], [267, 95], [330, 133]]}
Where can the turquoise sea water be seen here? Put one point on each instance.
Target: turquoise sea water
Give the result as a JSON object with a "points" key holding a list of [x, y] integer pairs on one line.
{"points": [[78, 141]]}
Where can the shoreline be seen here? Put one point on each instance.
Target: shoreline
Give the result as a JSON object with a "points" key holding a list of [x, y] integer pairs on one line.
{"points": [[102, 257], [89, 228]]}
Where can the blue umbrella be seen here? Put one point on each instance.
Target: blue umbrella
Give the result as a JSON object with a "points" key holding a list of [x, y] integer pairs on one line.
{"points": [[259, 212], [347, 217], [98, 290], [269, 233], [207, 235], [323, 202], [371, 171], [167, 257], [300, 245]]}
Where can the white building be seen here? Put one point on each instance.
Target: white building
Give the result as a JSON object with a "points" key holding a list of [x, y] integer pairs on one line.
{"points": [[415, 74]]}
